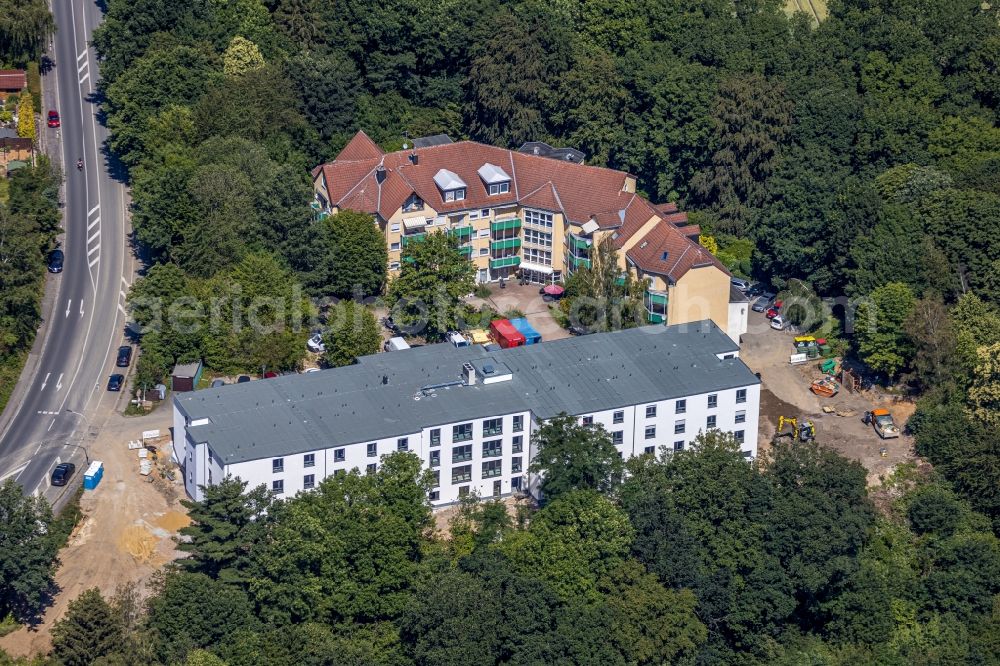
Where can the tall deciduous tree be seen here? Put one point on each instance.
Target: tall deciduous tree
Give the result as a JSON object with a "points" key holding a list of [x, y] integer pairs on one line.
{"points": [[600, 297], [572, 457], [241, 57], [24, 27], [352, 332], [427, 294], [351, 260], [880, 328], [27, 552]]}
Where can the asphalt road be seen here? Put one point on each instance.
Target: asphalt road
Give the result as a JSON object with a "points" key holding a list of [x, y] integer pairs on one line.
{"points": [[56, 412]]}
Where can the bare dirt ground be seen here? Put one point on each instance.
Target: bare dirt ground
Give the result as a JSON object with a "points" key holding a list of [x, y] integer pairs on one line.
{"points": [[785, 392], [444, 516], [127, 528], [526, 299]]}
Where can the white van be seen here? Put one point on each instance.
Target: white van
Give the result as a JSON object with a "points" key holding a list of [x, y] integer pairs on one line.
{"points": [[457, 339], [396, 344]]}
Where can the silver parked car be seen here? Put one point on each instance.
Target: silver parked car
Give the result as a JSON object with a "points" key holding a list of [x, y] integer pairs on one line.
{"points": [[764, 302]]}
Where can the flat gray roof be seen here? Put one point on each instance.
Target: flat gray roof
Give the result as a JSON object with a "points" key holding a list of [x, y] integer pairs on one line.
{"points": [[384, 395]]}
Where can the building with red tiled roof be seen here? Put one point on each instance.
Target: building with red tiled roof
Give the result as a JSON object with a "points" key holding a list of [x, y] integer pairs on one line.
{"points": [[519, 214], [12, 80]]}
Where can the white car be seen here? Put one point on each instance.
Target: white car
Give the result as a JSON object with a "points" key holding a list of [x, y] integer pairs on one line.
{"points": [[778, 323], [315, 343], [740, 283]]}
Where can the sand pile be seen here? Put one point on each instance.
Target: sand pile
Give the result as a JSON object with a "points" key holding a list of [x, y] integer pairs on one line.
{"points": [[137, 542], [172, 521]]}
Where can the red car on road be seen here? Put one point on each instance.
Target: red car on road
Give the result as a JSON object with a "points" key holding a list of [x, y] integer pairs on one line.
{"points": [[53, 118]]}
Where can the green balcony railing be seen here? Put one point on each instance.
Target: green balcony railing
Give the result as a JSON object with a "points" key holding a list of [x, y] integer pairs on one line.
{"points": [[656, 299], [578, 243], [504, 225], [461, 232], [576, 263], [505, 244], [413, 238], [656, 318], [503, 262], [467, 250]]}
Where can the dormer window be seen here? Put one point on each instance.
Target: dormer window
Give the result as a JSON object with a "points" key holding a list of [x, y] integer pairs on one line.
{"points": [[413, 203], [495, 179], [452, 187]]}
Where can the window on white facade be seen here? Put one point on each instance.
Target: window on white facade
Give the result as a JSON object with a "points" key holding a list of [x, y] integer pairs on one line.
{"points": [[403, 444], [516, 444], [492, 427], [435, 458], [681, 407], [710, 422], [461, 432], [436, 478], [278, 487], [538, 218], [650, 411], [713, 401], [339, 455], [434, 495], [492, 468], [679, 427], [679, 446], [587, 420], [518, 424], [740, 436], [493, 448], [373, 450], [277, 465], [461, 453], [650, 432], [741, 396], [371, 468], [741, 417], [618, 417], [461, 474], [618, 437], [515, 465], [463, 491], [308, 481], [309, 460], [436, 437], [649, 449]]}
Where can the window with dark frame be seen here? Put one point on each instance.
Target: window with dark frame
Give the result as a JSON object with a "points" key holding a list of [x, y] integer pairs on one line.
{"points": [[618, 417], [435, 458], [516, 444], [403, 444], [518, 425], [650, 411], [493, 448], [710, 422], [461, 432], [309, 460], [278, 486], [492, 427], [462, 474], [339, 455], [650, 432], [436, 437], [277, 465], [679, 446], [741, 396], [679, 427], [461, 453], [681, 407], [618, 437], [741, 417], [308, 481], [713, 401], [373, 450], [492, 468]]}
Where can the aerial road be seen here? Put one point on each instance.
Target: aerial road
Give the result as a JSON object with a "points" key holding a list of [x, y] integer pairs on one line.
{"points": [[54, 414]]}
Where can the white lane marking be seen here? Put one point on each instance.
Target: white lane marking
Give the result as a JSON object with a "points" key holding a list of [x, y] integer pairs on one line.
{"points": [[81, 308], [122, 294], [13, 472], [96, 235], [50, 425], [96, 221], [46, 412], [95, 260], [45, 381], [84, 78], [93, 249], [68, 304], [122, 309], [93, 210], [82, 67], [125, 281], [83, 54], [59, 382]]}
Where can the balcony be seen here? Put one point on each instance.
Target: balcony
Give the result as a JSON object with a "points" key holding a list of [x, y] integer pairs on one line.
{"points": [[467, 251], [505, 244], [503, 262], [576, 263], [504, 225], [461, 232], [413, 238], [578, 243]]}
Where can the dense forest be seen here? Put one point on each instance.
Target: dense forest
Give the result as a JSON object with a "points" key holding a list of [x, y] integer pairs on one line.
{"points": [[855, 158], [696, 558]]}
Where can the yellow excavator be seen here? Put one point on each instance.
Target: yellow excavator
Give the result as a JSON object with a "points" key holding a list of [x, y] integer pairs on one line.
{"points": [[805, 432]]}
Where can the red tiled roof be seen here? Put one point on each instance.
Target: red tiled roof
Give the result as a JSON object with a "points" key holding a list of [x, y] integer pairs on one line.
{"points": [[13, 79], [681, 253], [580, 192], [360, 147]]}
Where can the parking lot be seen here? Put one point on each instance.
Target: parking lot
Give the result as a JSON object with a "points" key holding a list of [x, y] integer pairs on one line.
{"points": [[785, 392]]}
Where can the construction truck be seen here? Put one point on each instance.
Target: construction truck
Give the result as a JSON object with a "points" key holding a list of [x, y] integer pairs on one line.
{"points": [[881, 421]]}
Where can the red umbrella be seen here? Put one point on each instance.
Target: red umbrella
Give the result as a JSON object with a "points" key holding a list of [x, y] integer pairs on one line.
{"points": [[554, 290]]}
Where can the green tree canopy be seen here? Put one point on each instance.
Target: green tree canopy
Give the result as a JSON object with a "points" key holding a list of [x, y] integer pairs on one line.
{"points": [[352, 332], [353, 260], [571, 456]]}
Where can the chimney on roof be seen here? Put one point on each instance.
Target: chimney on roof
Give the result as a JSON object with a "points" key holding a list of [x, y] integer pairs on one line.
{"points": [[385, 379], [380, 174], [414, 159]]}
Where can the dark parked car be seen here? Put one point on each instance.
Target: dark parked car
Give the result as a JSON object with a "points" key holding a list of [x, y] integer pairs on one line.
{"points": [[763, 303], [62, 473], [216, 383], [56, 258], [124, 356], [242, 379], [115, 382]]}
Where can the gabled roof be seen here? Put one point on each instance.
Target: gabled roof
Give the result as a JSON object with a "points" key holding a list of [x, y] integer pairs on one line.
{"points": [[13, 79], [491, 173], [360, 147], [666, 251], [448, 180]]}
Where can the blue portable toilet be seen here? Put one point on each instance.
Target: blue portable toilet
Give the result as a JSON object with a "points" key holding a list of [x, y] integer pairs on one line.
{"points": [[93, 475], [531, 336]]}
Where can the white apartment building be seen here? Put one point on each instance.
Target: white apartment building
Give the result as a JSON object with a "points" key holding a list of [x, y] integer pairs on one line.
{"points": [[468, 413]]}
